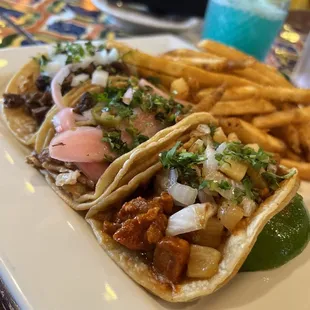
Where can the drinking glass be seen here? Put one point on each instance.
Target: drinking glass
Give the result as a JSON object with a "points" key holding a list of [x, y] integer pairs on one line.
{"points": [[248, 25]]}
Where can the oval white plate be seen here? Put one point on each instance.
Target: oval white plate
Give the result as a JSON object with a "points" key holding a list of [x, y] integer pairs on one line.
{"points": [[144, 20], [50, 259]]}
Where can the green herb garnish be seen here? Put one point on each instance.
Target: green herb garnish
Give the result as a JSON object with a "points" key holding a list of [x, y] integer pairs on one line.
{"points": [[117, 145], [274, 180], [183, 162], [239, 152]]}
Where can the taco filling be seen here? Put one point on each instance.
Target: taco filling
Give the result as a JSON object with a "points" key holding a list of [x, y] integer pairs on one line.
{"points": [[76, 63], [209, 188], [106, 124]]}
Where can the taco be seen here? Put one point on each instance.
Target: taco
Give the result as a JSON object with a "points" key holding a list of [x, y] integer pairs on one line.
{"points": [[29, 95], [85, 147], [183, 227]]}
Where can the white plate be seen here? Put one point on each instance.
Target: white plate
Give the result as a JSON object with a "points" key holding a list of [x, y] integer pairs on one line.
{"points": [[50, 259], [147, 22]]}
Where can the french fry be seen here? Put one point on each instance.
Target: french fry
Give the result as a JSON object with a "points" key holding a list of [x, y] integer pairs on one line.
{"points": [[254, 76], [290, 135], [165, 80], [170, 68], [180, 89], [303, 167], [247, 133], [234, 93], [183, 52], [212, 64], [282, 118], [304, 135], [295, 95], [233, 54], [206, 103], [242, 107], [293, 156]]}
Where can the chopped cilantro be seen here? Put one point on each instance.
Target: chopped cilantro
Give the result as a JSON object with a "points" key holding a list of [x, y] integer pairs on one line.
{"points": [[212, 129], [42, 60], [249, 191], [224, 185], [214, 185], [116, 143], [274, 180], [111, 99], [239, 152], [90, 48], [183, 162]]}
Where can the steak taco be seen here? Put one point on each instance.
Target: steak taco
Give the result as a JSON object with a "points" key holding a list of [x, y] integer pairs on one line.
{"points": [[33, 91], [183, 227]]}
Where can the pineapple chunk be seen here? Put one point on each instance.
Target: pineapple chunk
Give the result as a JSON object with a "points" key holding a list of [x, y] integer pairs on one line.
{"points": [[256, 178], [211, 235], [234, 169], [203, 262], [219, 135], [180, 88], [230, 215]]}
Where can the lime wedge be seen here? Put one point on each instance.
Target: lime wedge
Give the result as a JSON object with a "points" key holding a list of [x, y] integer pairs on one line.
{"points": [[284, 237]]}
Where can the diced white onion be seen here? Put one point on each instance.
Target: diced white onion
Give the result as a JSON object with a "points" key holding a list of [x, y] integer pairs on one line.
{"points": [[173, 176], [113, 55], [183, 195], [87, 61], [101, 57], [272, 168], [248, 205], [79, 79], [220, 149], [204, 129], [128, 96], [218, 177], [210, 164], [58, 62], [100, 77], [186, 220]]}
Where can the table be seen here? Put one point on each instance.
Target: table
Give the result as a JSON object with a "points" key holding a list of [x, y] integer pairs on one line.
{"points": [[69, 20]]}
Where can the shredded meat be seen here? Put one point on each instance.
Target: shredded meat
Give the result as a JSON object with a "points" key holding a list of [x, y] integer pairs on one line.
{"points": [[12, 101], [36, 104], [66, 84], [171, 257], [43, 83], [56, 168], [86, 102]]}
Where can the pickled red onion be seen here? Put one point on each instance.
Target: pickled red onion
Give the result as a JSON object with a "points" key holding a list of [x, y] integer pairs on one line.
{"points": [[56, 85], [93, 170], [64, 120], [80, 145]]}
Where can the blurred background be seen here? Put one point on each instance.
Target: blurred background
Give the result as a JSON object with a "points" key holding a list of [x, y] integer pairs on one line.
{"points": [[48, 21]]}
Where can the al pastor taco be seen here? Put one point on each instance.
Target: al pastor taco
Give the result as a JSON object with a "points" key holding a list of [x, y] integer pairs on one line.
{"points": [[183, 227]]}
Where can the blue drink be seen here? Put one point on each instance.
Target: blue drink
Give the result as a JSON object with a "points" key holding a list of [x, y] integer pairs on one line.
{"points": [[248, 25]]}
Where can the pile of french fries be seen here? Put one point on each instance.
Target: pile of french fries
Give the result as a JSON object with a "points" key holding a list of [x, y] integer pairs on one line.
{"points": [[249, 98]]}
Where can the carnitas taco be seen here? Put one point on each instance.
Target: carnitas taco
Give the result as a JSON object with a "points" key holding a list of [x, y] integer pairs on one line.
{"points": [[183, 227], [33, 91]]}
